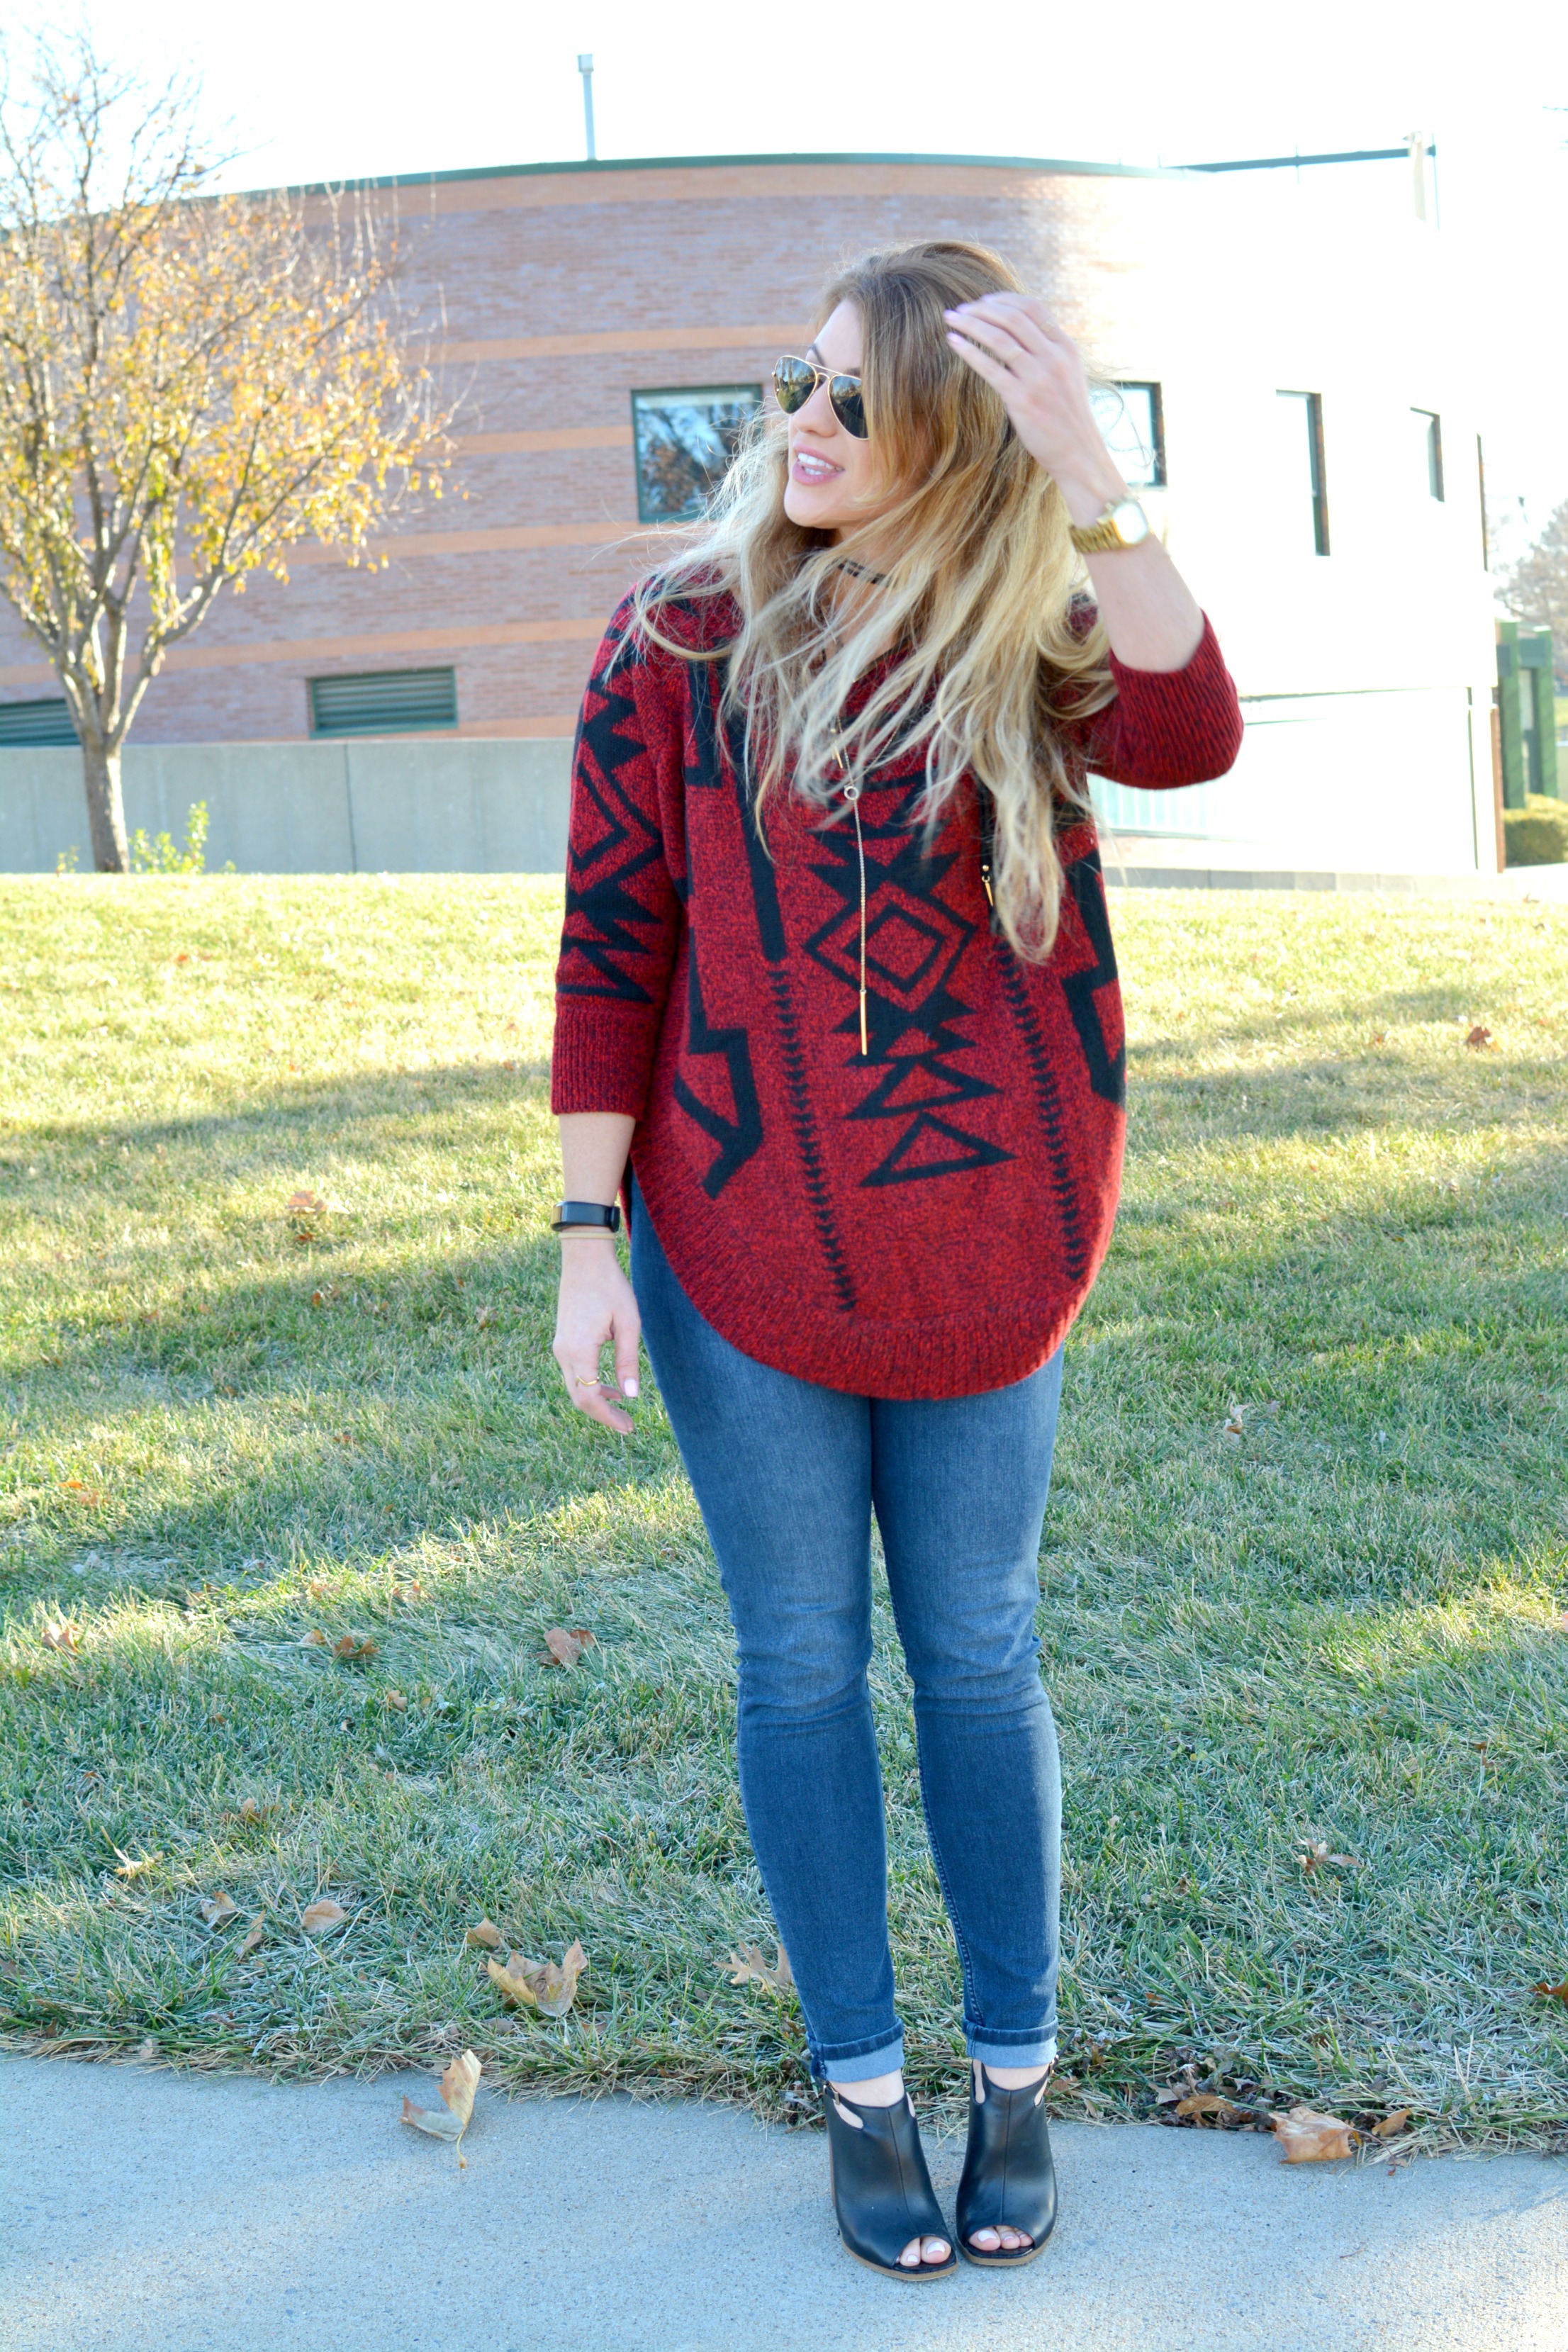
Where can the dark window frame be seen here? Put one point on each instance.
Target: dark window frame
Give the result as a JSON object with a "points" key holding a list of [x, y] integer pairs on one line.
{"points": [[677, 395], [388, 724], [1434, 483], [1162, 480], [1481, 488], [1317, 464]]}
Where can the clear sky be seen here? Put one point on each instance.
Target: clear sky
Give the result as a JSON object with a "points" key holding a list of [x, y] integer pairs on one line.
{"points": [[313, 91]]}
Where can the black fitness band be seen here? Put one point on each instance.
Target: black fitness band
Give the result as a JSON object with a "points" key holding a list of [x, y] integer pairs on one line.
{"points": [[578, 1216]]}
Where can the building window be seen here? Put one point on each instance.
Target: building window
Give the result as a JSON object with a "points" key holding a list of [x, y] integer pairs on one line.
{"points": [[1305, 478], [384, 702], [1430, 433], [1131, 417], [48, 722], [684, 440]]}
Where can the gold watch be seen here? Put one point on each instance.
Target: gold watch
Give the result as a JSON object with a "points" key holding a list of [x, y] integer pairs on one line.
{"points": [[1123, 523]]}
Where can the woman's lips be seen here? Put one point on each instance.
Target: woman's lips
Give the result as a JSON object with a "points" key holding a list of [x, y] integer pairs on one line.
{"points": [[804, 467]]}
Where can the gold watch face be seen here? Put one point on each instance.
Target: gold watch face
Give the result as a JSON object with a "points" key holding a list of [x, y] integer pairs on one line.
{"points": [[1128, 522]]}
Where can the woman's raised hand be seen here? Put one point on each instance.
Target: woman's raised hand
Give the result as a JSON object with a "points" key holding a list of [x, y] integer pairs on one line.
{"points": [[1011, 340]]}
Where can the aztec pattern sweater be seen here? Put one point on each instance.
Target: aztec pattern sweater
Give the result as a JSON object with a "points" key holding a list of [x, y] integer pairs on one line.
{"points": [[923, 1220]]}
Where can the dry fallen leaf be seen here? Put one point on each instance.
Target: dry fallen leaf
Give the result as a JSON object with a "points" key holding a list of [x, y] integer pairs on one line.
{"points": [[1553, 1992], [320, 1919], [540, 1984], [352, 1647], [252, 1809], [450, 2120], [1392, 2126], [1199, 2103], [1306, 2138], [396, 1701], [1317, 1853], [315, 1639], [62, 1634], [218, 1909], [563, 1647], [1480, 1038], [253, 1934], [317, 1587], [131, 1867], [486, 1934], [305, 1205], [414, 1591], [147, 2049], [748, 1967]]}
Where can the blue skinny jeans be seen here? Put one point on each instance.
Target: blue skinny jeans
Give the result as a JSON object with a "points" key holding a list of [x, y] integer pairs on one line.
{"points": [[787, 1475]]}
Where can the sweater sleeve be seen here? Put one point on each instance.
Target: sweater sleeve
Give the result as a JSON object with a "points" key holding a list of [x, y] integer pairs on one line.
{"points": [[622, 927], [1167, 728]]}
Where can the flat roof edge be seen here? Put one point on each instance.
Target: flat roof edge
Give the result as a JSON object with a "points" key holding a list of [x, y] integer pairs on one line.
{"points": [[700, 163]]}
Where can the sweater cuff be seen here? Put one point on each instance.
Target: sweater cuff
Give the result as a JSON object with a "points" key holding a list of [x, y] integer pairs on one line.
{"points": [[1199, 676], [599, 1065], [1176, 726]]}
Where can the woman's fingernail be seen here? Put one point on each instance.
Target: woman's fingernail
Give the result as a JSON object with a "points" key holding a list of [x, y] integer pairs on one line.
{"points": [[628, 1388]]}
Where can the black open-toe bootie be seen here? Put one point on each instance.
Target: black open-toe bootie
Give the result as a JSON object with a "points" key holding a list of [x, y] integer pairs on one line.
{"points": [[1008, 2178], [882, 2190]]}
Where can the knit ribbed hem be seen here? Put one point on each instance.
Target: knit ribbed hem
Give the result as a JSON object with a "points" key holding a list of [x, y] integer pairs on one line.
{"points": [[1186, 707], [750, 1302], [599, 1063]]}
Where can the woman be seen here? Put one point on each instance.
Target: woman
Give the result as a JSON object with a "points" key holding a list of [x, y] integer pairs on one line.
{"points": [[836, 978]]}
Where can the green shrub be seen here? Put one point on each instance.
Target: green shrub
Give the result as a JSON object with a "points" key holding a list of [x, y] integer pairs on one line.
{"points": [[1537, 834], [163, 855]]}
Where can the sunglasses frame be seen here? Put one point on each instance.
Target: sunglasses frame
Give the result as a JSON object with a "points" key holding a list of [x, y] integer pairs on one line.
{"points": [[852, 396]]}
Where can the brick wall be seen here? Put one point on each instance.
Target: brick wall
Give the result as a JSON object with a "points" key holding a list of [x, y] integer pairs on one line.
{"points": [[562, 291], [705, 272]]}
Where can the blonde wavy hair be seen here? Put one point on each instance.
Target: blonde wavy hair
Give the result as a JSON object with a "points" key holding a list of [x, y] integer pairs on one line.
{"points": [[973, 615]]}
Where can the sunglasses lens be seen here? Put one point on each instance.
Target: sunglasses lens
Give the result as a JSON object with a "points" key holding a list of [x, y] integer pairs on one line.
{"points": [[795, 381], [849, 405]]}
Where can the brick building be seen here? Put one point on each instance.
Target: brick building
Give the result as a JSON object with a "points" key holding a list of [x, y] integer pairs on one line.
{"points": [[1294, 408]]}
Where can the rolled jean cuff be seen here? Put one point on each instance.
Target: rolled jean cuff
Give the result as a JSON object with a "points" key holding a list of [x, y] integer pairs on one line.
{"points": [[886, 2058], [1039, 2052]]}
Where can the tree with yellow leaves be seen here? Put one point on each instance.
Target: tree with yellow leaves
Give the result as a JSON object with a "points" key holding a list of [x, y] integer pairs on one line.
{"points": [[190, 384]]}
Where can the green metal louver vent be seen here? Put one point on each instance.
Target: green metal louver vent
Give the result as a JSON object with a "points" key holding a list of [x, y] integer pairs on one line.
{"points": [[384, 702], [37, 722]]}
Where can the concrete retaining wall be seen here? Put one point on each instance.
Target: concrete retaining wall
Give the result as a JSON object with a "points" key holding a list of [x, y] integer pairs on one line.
{"points": [[438, 806], [1376, 783]]}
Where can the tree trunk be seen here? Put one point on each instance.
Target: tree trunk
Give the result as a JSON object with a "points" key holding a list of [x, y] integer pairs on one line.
{"points": [[105, 809]]}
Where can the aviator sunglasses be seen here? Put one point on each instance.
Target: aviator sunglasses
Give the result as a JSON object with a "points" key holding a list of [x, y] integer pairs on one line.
{"points": [[795, 381]]}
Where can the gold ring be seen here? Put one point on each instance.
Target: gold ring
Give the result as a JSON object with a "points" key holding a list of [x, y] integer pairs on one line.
{"points": [[582, 1383]]}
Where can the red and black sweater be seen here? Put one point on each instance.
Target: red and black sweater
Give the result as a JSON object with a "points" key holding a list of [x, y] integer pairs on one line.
{"points": [[923, 1221]]}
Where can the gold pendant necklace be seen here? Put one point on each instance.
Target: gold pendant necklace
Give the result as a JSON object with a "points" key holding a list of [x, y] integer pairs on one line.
{"points": [[852, 796]]}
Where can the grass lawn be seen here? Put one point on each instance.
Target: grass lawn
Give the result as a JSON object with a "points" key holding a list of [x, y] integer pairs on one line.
{"points": [[1333, 1629]]}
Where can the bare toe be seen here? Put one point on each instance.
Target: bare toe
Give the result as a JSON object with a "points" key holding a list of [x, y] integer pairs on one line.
{"points": [[935, 2250], [910, 2260], [986, 2241]]}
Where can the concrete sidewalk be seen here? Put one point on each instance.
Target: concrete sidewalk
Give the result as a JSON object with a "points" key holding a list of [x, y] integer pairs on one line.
{"points": [[157, 2213]]}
